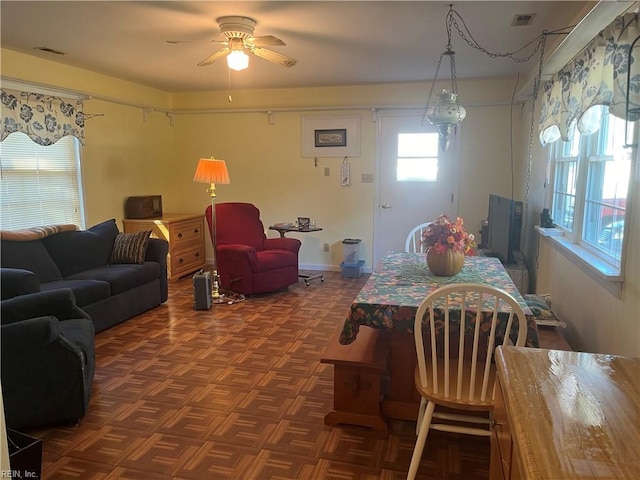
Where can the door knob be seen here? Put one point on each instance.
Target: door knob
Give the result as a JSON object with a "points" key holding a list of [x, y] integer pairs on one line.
{"points": [[385, 205]]}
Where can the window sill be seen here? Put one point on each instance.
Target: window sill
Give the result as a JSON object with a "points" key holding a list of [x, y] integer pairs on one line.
{"points": [[607, 275]]}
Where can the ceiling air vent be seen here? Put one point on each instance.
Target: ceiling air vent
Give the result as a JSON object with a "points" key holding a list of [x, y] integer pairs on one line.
{"points": [[49, 50], [523, 19]]}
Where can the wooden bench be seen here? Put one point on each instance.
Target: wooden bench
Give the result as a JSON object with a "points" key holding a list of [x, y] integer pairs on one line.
{"points": [[551, 338], [358, 374], [359, 370]]}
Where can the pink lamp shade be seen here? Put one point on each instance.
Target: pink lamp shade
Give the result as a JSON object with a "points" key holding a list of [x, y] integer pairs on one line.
{"points": [[210, 170]]}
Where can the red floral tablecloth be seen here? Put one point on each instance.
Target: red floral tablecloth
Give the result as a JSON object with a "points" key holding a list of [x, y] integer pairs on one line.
{"points": [[400, 282]]}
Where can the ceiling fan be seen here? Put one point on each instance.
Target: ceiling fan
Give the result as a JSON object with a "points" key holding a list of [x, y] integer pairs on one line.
{"points": [[240, 41]]}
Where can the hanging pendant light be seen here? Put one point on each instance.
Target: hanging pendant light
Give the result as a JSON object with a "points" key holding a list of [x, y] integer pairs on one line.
{"points": [[447, 112], [445, 115]]}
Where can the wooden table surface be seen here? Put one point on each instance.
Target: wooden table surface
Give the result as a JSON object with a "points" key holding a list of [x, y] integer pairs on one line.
{"points": [[573, 415]]}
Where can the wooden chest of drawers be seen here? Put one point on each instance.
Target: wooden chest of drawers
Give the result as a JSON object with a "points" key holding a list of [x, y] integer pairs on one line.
{"points": [[185, 234]]}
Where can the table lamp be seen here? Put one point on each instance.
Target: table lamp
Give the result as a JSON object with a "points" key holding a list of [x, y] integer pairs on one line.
{"points": [[212, 171]]}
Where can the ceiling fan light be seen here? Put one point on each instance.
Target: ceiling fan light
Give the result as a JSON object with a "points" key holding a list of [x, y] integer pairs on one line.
{"points": [[237, 60]]}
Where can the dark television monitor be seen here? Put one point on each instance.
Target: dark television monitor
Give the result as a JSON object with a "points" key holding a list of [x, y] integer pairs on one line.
{"points": [[505, 224]]}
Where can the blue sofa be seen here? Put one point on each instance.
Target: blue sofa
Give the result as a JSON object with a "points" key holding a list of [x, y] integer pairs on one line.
{"points": [[109, 293], [48, 359]]}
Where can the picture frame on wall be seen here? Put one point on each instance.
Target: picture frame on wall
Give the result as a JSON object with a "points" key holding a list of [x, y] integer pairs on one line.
{"points": [[330, 136]]}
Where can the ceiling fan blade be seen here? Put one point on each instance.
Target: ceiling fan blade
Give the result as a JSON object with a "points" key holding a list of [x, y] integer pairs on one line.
{"points": [[174, 42], [209, 60], [266, 40], [274, 57]]}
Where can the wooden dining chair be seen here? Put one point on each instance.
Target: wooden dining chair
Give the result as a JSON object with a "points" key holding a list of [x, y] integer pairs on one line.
{"points": [[414, 239], [455, 356]]}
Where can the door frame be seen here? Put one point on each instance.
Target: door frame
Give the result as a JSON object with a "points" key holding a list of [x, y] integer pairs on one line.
{"points": [[452, 154]]}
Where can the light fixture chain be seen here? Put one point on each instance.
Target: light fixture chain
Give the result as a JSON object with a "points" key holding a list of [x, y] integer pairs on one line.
{"points": [[538, 79], [433, 84], [441, 114], [528, 178], [536, 87], [454, 74], [474, 44], [449, 22], [454, 84]]}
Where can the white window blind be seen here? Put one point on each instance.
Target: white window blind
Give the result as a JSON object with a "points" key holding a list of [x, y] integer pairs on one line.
{"points": [[40, 185]]}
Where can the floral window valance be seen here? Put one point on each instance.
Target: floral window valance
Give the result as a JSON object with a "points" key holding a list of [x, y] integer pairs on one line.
{"points": [[44, 118], [598, 75]]}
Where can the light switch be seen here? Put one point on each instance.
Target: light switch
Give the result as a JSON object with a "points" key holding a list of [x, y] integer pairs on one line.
{"points": [[366, 178], [327, 171]]}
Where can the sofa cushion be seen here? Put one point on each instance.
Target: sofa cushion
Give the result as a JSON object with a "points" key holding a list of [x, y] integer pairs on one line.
{"points": [[17, 281], [540, 308], [122, 277], [86, 292], [32, 256], [130, 247], [75, 252]]}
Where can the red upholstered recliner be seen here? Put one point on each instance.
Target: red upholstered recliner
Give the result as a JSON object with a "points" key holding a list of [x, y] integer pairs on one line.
{"points": [[248, 261]]}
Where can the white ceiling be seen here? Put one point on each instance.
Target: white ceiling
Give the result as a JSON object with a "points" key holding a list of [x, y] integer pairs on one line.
{"points": [[336, 43]]}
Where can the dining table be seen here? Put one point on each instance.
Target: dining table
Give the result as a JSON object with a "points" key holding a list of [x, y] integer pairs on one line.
{"points": [[390, 299]]}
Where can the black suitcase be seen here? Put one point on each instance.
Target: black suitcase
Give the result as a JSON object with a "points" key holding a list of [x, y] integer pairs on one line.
{"points": [[202, 290]]}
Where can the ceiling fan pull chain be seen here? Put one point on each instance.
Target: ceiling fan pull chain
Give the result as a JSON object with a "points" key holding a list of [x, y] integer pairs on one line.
{"points": [[229, 97]]}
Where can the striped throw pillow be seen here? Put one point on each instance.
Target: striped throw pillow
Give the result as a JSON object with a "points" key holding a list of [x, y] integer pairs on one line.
{"points": [[130, 247]]}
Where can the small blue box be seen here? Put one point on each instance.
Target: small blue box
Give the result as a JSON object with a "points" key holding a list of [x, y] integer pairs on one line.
{"points": [[351, 270]]}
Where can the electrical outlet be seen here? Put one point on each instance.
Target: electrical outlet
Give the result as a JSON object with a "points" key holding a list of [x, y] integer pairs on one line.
{"points": [[366, 178], [327, 171], [326, 247]]}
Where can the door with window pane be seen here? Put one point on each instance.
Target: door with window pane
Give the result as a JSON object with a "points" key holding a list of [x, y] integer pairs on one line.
{"points": [[415, 181]]}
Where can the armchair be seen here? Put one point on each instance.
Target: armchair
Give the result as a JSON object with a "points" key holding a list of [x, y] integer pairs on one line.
{"points": [[248, 261], [48, 358]]}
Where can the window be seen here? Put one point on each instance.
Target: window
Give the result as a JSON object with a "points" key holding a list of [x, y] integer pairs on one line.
{"points": [[590, 188], [417, 157], [40, 185], [564, 192]]}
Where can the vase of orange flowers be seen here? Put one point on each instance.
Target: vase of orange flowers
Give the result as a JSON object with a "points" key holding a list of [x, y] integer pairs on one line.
{"points": [[446, 243]]}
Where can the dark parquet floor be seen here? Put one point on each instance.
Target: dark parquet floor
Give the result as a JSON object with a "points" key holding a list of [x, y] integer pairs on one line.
{"points": [[236, 392]]}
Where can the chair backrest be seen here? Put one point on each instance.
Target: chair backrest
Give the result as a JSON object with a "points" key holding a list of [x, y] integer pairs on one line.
{"points": [[458, 369], [238, 223], [413, 245]]}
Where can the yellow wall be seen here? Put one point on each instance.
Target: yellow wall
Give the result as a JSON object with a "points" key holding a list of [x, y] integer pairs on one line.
{"points": [[485, 166], [266, 168], [124, 155], [18, 66]]}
